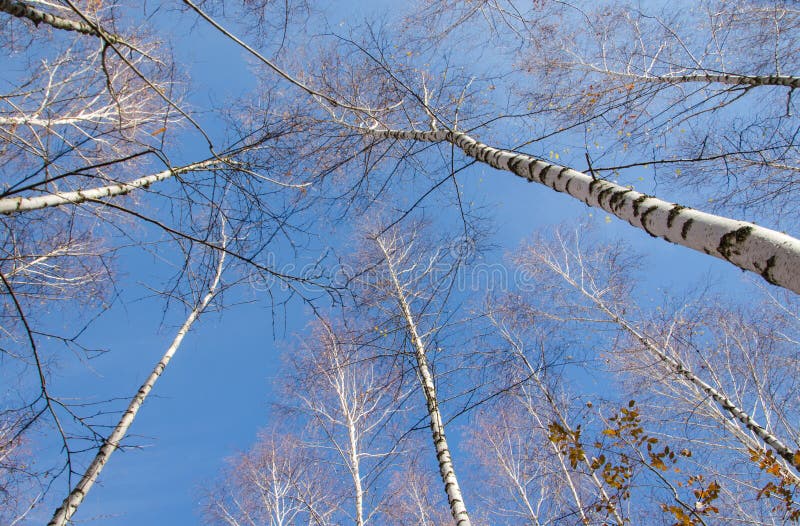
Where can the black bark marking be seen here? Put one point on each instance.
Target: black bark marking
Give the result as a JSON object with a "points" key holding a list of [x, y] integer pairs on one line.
{"points": [[729, 242], [765, 272], [514, 162], [543, 174], [616, 202], [644, 219], [637, 202], [592, 185], [686, 227], [531, 166], [605, 191], [673, 213]]}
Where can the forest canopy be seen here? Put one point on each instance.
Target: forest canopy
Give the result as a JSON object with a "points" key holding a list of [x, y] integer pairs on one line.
{"points": [[322, 211]]}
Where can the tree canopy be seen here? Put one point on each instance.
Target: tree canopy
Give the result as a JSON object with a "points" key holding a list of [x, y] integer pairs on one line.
{"points": [[340, 193]]}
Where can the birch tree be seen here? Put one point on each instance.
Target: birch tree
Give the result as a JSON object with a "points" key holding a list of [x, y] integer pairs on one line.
{"points": [[730, 412], [406, 284], [676, 82], [349, 399], [522, 438], [598, 103], [414, 117], [277, 482], [91, 122], [112, 442]]}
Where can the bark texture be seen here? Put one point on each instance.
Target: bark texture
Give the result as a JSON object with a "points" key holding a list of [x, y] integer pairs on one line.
{"points": [[773, 255], [446, 469], [70, 505], [731, 79], [14, 205], [37, 16]]}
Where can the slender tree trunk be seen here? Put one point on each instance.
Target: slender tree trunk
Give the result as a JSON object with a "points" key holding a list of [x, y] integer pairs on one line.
{"points": [[37, 16], [719, 397], [355, 470], [13, 205], [731, 79], [554, 407], [773, 255], [446, 469], [75, 498], [682, 370]]}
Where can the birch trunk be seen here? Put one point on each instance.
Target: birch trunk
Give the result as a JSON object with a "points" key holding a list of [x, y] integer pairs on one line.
{"points": [[355, 471], [37, 16], [736, 412], [562, 418], [718, 396], [75, 498], [446, 469], [731, 79], [773, 255], [13, 205]]}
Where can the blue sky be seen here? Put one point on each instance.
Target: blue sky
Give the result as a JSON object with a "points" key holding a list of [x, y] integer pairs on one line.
{"points": [[217, 392]]}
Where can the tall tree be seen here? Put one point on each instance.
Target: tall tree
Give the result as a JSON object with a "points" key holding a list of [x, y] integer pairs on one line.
{"points": [[76, 496], [694, 372], [277, 482], [349, 398], [769, 253], [407, 285]]}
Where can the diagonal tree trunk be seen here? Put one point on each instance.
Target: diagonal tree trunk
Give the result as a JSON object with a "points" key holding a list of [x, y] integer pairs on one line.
{"points": [[730, 79], [13, 205], [75, 498], [37, 16], [676, 366], [773, 255], [558, 412], [446, 469]]}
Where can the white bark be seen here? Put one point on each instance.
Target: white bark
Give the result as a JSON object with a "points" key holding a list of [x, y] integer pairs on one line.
{"points": [[517, 348], [446, 469], [725, 78], [773, 255], [351, 403], [677, 367], [13, 205], [75, 498], [37, 16], [724, 401], [355, 471]]}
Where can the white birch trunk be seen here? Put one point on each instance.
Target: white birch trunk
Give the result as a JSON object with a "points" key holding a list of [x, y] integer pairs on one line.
{"points": [[13, 205], [355, 470], [682, 370], [22, 10], [773, 255], [726, 403], [75, 498], [731, 79], [446, 469]]}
